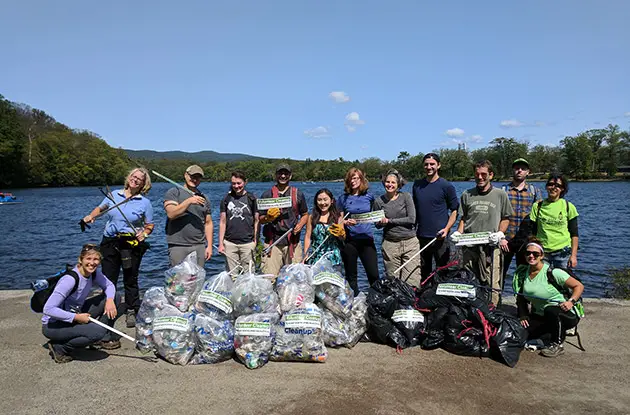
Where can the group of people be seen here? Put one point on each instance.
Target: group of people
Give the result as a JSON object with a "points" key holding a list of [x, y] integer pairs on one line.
{"points": [[522, 224]]}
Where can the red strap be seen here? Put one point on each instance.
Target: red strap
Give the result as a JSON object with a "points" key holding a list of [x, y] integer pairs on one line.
{"points": [[450, 264]]}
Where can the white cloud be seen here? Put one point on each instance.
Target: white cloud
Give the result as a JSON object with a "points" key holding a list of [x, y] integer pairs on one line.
{"points": [[318, 132], [352, 120], [476, 138], [454, 132], [351, 128], [511, 123], [339, 97], [626, 114]]}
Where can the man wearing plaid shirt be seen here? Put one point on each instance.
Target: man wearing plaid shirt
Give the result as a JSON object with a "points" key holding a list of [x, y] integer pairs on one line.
{"points": [[522, 196]]}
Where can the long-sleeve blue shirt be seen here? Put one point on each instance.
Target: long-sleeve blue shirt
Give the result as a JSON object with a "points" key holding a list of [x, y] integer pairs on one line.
{"points": [[434, 203]]}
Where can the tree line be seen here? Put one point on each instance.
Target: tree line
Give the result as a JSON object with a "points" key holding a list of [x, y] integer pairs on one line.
{"points": [[36, 150]]}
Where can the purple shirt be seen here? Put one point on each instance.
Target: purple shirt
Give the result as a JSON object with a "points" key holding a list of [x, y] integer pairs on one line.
{"points": [[59, 303]]}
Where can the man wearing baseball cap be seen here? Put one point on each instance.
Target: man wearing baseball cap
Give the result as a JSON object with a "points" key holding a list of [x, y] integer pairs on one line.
{"points": [[277, 221], [189, 224], [522, 196]]}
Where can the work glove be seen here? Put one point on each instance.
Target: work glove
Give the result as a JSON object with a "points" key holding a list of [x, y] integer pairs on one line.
{"points": [[495, 238], [337, 230], [273, 213], [455, 237]]}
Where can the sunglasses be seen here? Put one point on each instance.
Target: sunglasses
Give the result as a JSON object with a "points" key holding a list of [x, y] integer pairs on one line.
{"points": [[553, 184], [533, 253]]}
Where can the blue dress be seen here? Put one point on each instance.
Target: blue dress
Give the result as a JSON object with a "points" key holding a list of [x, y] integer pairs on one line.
{"points": [[330, 248]]}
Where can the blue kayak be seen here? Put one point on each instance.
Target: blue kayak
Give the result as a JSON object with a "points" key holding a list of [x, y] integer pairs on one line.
{"points": [[8, 199]]}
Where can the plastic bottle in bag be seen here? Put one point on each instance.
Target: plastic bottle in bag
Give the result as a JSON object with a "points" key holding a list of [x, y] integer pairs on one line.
{"points": [[333, 292], [299, 336], [153, 300], [173, 335], [214, 339], [253, 338], [295, 286], [253, 294], [183, 281], [215, 297]]}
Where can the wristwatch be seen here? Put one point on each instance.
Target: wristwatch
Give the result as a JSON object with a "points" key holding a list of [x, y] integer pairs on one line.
{"points": [[573, 300]]}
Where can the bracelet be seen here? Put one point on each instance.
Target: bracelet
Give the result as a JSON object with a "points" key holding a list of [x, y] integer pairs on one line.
{"points": [[146, 235]]}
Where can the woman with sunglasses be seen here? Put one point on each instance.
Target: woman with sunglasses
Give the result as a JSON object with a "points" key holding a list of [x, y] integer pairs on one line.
{"points": [[123, 239], [66, 321], [551, 314], [555, 223]]}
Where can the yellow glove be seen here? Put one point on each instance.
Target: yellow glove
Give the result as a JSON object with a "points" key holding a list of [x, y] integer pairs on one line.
{"points": [[273, 213], [337, 230]]}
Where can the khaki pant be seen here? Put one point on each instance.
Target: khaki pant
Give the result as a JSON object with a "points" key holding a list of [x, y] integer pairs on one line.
{"points": [[485, 262], [279, 257], [397, 253], [239, 254]]}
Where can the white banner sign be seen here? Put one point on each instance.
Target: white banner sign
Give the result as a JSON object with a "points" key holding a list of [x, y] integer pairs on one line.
{"points": [[456, 290], [369, 217], [278, 202], [478, 238]]}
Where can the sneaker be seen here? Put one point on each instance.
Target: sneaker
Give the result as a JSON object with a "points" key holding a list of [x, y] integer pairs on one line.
{"points": [[131, 319], [554, 350], [57, 354], [571, 332], [106, 345]]}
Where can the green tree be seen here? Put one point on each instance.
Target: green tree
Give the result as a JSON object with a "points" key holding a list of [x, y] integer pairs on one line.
{"points": [[578, 155]]}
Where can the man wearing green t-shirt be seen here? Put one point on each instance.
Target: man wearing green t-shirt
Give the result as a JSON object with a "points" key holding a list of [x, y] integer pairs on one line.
{"points": [[484, 208]]}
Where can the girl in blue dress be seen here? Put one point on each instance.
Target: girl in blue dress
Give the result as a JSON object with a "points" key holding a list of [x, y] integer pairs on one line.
{"points": [[323, 227]]}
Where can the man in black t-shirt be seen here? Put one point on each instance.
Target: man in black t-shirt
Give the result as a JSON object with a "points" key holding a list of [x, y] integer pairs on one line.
{"points": [[238, 225]]}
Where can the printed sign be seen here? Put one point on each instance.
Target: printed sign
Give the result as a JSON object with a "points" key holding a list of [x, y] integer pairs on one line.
{"points": [[329, 277], [408, 315], [278, 202], [369, 217], [252, 328], [215, 299], [303, 319], [171, 323], [456, 290], [478, 238]]}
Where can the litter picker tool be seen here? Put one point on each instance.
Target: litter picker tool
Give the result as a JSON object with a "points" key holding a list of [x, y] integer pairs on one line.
{"points": [[113, 330], [174, 183], [415, 255], [323, 242], [268, 249], [109, 195], [84, 225]]}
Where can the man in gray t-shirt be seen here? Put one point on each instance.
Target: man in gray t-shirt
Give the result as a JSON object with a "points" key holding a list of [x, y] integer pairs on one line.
{"points": [[484, 209], [188, 224]]}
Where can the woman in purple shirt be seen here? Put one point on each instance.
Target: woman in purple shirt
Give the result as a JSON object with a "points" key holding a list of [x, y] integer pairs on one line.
{"points": [[359, 237], [66, 320]]}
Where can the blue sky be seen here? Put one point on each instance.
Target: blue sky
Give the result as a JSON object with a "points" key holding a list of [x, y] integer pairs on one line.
{"points": [[319, 79]]}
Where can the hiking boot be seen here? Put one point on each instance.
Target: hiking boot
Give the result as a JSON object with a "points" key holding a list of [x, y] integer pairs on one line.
{"points": [[131, 319], [106, 345], [56, 352], [554, 350]]}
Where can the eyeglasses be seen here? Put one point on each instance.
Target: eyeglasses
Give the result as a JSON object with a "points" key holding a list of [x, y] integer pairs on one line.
{"points": [[89, 247], [533, 253], [554, 184], [136, 178]]}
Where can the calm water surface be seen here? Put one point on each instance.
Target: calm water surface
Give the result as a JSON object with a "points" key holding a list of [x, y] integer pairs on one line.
{"points": [[42, 234]]}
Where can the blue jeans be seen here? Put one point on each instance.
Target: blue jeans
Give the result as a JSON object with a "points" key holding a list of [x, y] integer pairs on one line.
{"points": [[560, 258]]}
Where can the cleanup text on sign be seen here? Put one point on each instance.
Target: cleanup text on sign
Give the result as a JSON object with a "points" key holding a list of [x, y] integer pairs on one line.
{"points": [[171, 323], [217, 300], [277, 202], [456, 290], [407, 315], [369, 217], [307, 319], [252, 328], [478, 238], [330, 278]]}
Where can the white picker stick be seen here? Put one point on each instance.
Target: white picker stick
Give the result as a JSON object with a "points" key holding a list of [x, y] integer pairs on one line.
{"points": [[113, 330], [324, 241], [268, 249], [414, 255]]}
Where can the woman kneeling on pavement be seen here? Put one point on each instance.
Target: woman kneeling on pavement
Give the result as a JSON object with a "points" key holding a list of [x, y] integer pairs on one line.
{"points": [[551, 314], [66, 320]]}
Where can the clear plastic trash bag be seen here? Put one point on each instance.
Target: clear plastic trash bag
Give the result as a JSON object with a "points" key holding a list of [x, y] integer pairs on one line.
{"points": [[253, 338], [299, 336], [215, 297], [153, 300], [183, 281], [253, 294], [214, 339], [173, 335], [295, 286]]}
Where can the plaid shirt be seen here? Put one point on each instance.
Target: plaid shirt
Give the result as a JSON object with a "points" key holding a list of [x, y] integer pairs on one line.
{"points": [[522, 201]]}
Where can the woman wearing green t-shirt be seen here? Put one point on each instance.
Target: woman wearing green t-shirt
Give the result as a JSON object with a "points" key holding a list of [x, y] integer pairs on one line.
{"points": [[551, 314], [555, 224]]}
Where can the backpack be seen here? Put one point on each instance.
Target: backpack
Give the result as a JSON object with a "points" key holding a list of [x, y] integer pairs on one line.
{"points": [[566, 291], [39, 298]]}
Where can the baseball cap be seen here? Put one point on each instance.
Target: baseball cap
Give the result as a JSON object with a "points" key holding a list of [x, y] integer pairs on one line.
{"points": [[194, 169], [283, 167], [520, 161]]}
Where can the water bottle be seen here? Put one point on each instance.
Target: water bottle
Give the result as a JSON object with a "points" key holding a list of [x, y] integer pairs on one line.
{"points": [[39, 285]]}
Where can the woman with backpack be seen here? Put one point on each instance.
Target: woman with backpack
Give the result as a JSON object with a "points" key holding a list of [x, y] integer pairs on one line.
{"points": [[555, 223], [553, 294], [66, 321]]}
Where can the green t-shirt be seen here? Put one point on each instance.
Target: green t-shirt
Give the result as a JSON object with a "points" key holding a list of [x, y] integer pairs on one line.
{"points": [[553, 223], [483, 212], [539, 287]]}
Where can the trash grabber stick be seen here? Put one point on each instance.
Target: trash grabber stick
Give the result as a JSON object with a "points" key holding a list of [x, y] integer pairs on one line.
{"points": [[113, 330], [111, 197], [173, 182], [85, 225], [414, 255], [324, 241], [267, 249]]}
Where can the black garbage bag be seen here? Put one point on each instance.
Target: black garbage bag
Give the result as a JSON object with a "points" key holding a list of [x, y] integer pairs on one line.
{"points": [[381, 329], [467, 342], [434, 328], [431, 297], [410, 324], [510, 338]]}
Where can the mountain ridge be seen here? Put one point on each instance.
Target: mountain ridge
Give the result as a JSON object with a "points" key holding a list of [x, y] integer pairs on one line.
{"points": [[198, 156]]}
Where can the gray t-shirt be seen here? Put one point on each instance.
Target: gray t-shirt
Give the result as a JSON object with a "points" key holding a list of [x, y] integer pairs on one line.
{"points": [[188, 229], [401, 213], [483, 212]]}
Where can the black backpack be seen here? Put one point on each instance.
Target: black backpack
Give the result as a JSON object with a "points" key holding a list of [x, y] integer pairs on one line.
{"points": [[39, 298]]}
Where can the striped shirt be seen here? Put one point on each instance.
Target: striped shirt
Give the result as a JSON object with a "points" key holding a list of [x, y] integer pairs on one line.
{"points": [[522, 202]]}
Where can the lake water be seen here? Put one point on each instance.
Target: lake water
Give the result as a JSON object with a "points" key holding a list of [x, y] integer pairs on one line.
{"points": [[42, 234]]}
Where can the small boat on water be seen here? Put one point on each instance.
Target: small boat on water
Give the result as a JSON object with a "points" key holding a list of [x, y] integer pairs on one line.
{"points": [[8, 199]]}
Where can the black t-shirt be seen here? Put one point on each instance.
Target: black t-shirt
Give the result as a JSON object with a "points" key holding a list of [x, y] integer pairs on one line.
{"points": [[239, 214]]}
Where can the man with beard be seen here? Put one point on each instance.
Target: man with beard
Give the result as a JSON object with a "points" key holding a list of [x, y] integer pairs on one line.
{"points": [[522, 196], [484, 208], [277, 221], [436, 205]]}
